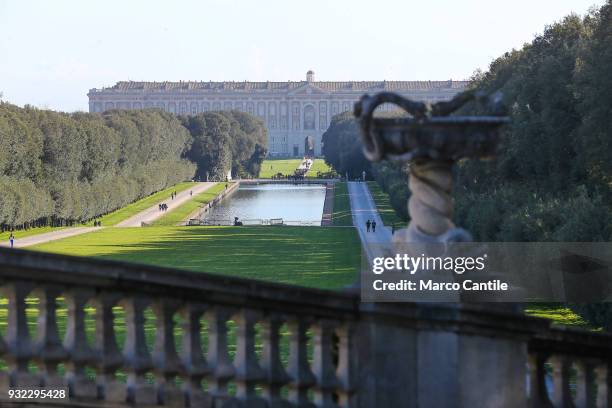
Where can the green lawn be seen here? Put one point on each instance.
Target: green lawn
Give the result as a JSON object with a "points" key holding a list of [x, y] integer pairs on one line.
{"points": [[319, 165], [558, 313], [137, 206], [387, 213], [172, 218], [309, 256], [270, 168], [342, 206]]}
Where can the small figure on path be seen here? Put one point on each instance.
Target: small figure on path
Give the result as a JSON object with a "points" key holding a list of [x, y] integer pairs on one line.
{"points": [[373, 226], [12, 239], [159, 206], [392, 229], [190, 192], [368, 223]]}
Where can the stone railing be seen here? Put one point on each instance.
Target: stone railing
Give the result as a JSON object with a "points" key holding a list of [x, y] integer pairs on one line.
{"points": [[337, 351], [569, 368]]}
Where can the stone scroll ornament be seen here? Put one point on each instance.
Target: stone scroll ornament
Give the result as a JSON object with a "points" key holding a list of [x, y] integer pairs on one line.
{"points": [[432, 141]]}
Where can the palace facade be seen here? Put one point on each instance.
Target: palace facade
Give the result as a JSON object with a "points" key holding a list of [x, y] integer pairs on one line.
{"points": [[296, 113]]}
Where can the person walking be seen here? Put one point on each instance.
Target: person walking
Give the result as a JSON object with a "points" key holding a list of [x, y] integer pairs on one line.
{"points": [[368, 223], [393, 229], [373, 226], [12, 239], [190, 192]]}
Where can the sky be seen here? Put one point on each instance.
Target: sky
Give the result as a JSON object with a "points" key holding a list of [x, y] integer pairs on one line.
{"points": [[53, 52]]}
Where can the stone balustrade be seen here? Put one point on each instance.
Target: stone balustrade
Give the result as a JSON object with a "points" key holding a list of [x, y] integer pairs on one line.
{"points": [[229, 342]]}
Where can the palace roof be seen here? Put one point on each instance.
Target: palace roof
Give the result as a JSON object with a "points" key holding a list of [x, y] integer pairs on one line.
{"points": [[331, 86]]}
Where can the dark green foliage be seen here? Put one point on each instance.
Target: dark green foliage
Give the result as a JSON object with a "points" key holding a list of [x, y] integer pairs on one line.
{"points": [[342, 147], [597, 314], [552, 179], [61, 169], [226, 140], [392, 178]]}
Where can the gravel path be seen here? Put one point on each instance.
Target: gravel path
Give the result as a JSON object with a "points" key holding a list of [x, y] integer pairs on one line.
{"points": [[363, 208], [48, 236], [153, 213]]}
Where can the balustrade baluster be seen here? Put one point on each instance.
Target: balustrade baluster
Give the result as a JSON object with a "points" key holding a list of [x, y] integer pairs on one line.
{"points": [[109, 355], [561, 381], [165, 358], [218, 356], [346, 365], [75, 342], [602, 379], [248, 371], [299, 369], [276, 376], [194, 362], [48, 348], [585, 381], [538, 394], [136, 354], [323, 364], [18, 344]]}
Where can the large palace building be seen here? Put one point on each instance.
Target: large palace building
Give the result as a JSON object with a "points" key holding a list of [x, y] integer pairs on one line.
{"points": [[296, 113]]}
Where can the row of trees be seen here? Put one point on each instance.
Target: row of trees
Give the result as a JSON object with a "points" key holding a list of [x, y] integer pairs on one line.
{"points": [[224, 141], [62, 169]]}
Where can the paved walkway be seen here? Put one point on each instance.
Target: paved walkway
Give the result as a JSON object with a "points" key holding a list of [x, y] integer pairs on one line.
{"points": [[153, 213], [363, 209], [48, 236]]}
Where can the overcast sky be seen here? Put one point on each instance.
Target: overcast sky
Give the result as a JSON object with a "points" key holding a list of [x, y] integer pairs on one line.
{"points": [[53, 52]]}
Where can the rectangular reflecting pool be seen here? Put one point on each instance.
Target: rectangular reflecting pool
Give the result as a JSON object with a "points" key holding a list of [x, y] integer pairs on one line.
{"points": [[256, 204]]}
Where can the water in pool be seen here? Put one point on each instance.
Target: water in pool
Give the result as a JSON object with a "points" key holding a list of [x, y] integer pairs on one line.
{"points": [[252, 204]]}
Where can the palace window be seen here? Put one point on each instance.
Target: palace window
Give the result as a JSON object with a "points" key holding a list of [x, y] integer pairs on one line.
{"points": [[322, 115], [295, 117], [334, 108], [284, 119], [309, 117], [272, 115]]}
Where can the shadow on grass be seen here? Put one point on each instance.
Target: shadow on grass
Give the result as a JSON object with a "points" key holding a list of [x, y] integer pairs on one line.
{"points": [[309, 256]]}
